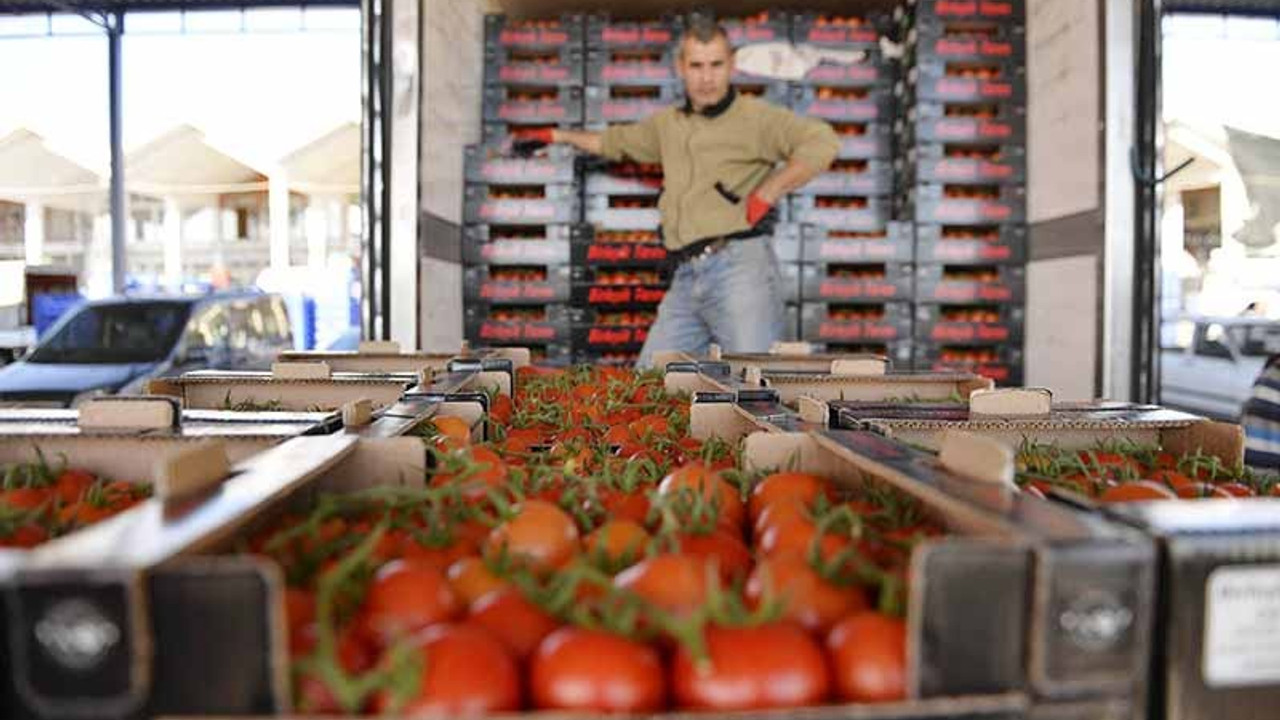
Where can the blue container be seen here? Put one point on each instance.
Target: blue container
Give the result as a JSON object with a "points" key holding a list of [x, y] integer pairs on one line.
{"points": [[47, 308]]}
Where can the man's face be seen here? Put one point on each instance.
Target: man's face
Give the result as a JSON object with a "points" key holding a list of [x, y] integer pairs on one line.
{"points": [[705, 69]]}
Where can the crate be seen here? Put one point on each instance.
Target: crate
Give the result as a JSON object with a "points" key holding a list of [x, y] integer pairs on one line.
{"points": [[835, 323], [864, 141], [932, 38], [557, 67], [771, 91], [631, 66], [521, 205], [791, 323], [791, 273], [622, 276], [600, 339], [870, 73], [843, 33], [843, 104], [926, 122], [844, 213], [767, 26], [970, 324], [587, 295], [966, 204], [566, 31], [533, 105], [489, 286], [547, 245], [1003, 364], [604, 213], [487, 325], [971, 284], [959, 164], [630, 180], [556, 164], [966, 81], [620, 249], [823, 245], [856, 284], [1009, 11], [978, 245], [867, 178], [897, 351], [622, 103], [605, 32]]}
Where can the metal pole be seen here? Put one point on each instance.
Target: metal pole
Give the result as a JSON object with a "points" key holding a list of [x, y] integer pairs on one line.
{"points": [[115, 28]]}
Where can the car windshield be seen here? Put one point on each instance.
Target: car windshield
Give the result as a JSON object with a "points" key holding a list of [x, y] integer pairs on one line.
{"points": [[111, 334]]}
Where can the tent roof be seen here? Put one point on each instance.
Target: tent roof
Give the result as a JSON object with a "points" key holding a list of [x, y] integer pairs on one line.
{"points": [[30, 171], [181, 162], [329, 164]]}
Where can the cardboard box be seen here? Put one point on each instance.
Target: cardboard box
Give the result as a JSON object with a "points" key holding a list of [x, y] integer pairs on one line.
{"points": [[605, 32], [865, 283], [280, 390], [857, 383], [830, 322], [864, 141], [868, 178], [964, 164], [971, 325], [526, 67], [487, 285], [843, 33], [963, 122]]}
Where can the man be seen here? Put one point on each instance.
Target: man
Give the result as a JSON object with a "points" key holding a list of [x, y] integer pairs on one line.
{"points": [[719, 153], [1261, 419]]}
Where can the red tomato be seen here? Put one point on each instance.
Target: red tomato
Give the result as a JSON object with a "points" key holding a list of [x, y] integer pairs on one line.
{"points": [[511, 618], [501, 410], [786, 487], [540, 534], [619, 505], [675, 583], [708, 483], [731, 556], [471, 579], [406, 596], [618, 542], [1236, 489], [1137, 490], [354, 655], [72, 484], [579, 669], [25, 498], [25, 536], [869, 657], [465, 671], [485, 471], [777, 665], [1200, 490], [807, 597]]}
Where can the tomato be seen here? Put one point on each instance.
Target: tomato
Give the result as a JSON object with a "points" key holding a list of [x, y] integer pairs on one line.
{"points": [[83, 514], [1201, 490], [776, 665], [1236, 489], [807, 597], [672, 582], [868, 653], [794, 533], [407, 595], [618, 542], [299, 609], [354, 656], [786, 487], [511, 618], [619, 505], [452, 432], [501, 410], [731, 556], [522, 441], [579, 669], [25, 498], [465, 671], [1137, 490], [471, 579], [25, 536], [1172, 478], [708, 483], [540, 534], [483, 471], [72, 484]]}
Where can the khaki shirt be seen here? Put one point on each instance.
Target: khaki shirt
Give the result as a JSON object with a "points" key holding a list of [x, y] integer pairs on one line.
{"points": [[712, 161]]}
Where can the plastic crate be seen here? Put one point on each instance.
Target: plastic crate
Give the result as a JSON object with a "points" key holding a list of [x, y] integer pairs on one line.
{"points": [[867, 178], [845, 213], [1003, 364], [772, 91], [556, 164], [869, 73], [831, 322], [621, 276], [494, 133], [995, 244], [971, 284], [605, 32], [864, 141], [964, 122], [487, 325], [898, 351], [614, 249], [843, 104], [791, 273], [555, 67], [489, 286], [966, 81], [621, 103], [932, 38], [842, 32], [766, 26], [1012, 11], [966, 204], [605, 213], [856, 284], [970, 324], [609, 338], [533, 105], [821, 245], [965, 163], [631, 66], [566, 31], [622, 179], [540, 205], [548, 245], [587, 295]]}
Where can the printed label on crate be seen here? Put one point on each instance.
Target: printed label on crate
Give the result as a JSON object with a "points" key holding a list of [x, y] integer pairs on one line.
{"points": [[532, 252], [960, 251], [834, 35], [995, 371], [519, 72], [527, 171], [533, 36], [970, 47], [958, 332], [836, 330], [970, 292], [524, 109], [616, 336], [965, 129], [505, 210], [963, 211], [975, 8], [626, 253], [636, 36], [626, 109], [499, 290], [513, 331], [836, 289], [744, 34], [854, 72], [619, 72], [608, 295], [845, 109], [966, 87], [967, 169], [1242, 626]]}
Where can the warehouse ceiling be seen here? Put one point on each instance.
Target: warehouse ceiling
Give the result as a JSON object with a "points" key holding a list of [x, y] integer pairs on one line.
{"points": [[26, 6], [651, 8]]}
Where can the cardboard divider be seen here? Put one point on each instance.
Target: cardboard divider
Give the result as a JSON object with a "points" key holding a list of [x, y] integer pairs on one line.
{"points": [[977, 457], [372, 360], [1008, 402], [191, 470], [301, 371], [263, 391], [887, 388], [129, 413]]}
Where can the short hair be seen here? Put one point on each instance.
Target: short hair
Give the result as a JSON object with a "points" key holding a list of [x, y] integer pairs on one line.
{"points": [[704, 30]]}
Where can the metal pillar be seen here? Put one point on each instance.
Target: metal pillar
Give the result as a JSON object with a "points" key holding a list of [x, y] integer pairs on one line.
{"points": [[115, 29]]}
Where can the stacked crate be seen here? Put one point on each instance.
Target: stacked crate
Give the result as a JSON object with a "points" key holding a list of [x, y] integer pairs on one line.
{"points": [[620, 267], [521, 215], [856, 272], [962, 174]]}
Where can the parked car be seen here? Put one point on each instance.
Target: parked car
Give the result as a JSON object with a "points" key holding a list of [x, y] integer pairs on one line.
{"points": [[116, 345], [1212, 371]]}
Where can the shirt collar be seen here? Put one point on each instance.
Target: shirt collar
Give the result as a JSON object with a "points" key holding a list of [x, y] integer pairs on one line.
{"points": [[713, 111]]}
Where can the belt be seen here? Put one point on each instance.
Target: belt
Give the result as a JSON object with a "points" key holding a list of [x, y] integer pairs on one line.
{"points": [[708, 247]]}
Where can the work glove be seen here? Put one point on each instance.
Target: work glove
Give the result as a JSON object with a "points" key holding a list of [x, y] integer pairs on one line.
{"points": [[528, 141]]}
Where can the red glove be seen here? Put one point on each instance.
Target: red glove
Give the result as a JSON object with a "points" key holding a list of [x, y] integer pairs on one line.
{"points": [[757, 208], [527, 141]]}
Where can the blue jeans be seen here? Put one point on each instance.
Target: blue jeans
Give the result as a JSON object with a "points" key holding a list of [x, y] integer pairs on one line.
{"points": [[732, 298]]}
